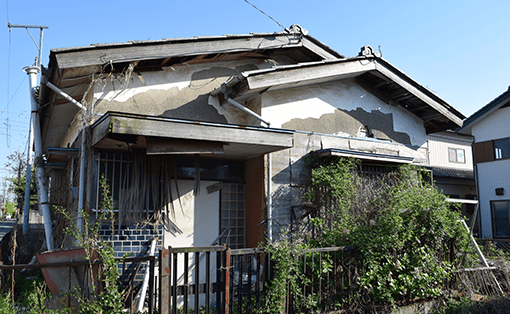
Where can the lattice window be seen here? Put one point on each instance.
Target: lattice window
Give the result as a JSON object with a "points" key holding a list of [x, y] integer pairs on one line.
{"points": [[233, 216]]}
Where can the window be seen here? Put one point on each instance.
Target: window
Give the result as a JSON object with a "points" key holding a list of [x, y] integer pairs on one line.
{"points": [[456, 155], [502, 149], [492, 150], [500, 219]]}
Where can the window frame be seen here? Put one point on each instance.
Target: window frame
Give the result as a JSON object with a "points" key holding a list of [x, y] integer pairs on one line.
{"points": [[456, 151]]}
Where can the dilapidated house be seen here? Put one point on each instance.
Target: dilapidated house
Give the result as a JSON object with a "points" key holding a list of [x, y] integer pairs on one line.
{"points": [[203, 140]]}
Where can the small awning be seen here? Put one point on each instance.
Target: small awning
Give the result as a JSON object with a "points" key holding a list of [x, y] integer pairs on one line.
{"points": [[57, 157], [364, 156], [160, 135]]}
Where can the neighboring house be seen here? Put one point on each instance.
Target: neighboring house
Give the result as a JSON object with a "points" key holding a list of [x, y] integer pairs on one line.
{"points": [[491, 134], [180, 128], [451, 161]]}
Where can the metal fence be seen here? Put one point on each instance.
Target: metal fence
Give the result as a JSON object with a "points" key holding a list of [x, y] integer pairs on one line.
{"points": [[221, 280]]}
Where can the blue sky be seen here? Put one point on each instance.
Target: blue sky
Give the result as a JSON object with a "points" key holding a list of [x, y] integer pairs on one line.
{"points": [[457, 49]]}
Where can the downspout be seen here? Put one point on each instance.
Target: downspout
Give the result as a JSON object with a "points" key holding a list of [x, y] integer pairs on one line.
{"points": [[226, 89], [269, 174], [269, 200], [475, 170], [81, 193], [26, 208], [39, 163]]}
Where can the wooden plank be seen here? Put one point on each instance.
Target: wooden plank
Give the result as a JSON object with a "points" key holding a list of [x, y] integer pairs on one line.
{"points": [[102, 55], [318, 50], [100, 130], [161, 146], [324, 71], [195, 131]]}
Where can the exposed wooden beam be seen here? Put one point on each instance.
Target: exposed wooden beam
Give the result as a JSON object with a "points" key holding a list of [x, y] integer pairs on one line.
{"points": [[369, 88], [376, 86], [418, 93], [92, 56]]}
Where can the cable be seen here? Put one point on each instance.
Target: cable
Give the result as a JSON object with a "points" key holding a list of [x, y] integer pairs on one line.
{"points": [[7, 10], [265, 14], [6, 106]]}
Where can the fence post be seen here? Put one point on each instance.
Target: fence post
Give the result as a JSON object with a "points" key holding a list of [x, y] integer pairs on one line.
{"points": [[227, 282], [164, 281]]}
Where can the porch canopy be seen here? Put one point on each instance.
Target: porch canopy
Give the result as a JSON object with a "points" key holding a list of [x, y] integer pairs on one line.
{"points": [[160, 135]]}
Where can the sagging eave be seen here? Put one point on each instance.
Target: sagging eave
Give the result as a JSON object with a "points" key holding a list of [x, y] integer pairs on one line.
{"points": [[239, 142], [437, 114]]}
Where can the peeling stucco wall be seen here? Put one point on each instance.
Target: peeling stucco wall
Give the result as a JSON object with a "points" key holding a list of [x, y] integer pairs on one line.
{"points": [[180, 91], [341, 108]]}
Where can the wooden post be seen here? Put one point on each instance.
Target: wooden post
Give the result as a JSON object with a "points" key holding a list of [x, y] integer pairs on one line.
{"points": [[164, 281]]}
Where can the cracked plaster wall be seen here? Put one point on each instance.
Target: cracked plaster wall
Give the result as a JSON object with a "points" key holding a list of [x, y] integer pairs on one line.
{"points": [[340, 108], [180, 92]]}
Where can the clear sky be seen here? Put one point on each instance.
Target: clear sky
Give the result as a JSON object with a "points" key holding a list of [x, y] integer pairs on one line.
{"points": [[457, 49]]}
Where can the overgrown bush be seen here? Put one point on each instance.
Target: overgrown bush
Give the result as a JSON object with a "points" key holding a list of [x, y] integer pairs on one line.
{"points": [[403, 228]]}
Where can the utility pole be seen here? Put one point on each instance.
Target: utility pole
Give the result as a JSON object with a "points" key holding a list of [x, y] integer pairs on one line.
{"points": [[35, 136]]}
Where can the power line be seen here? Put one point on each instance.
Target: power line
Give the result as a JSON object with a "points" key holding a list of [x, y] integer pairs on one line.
{"points": [[7, 9], [6, 106], [265, 14]]}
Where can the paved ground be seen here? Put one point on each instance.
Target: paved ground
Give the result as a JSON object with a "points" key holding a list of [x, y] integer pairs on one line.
{"points": [[6, 226]]}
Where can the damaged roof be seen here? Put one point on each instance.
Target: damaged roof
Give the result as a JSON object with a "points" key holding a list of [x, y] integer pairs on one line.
{"points": [[72, 69], [371, 71]]}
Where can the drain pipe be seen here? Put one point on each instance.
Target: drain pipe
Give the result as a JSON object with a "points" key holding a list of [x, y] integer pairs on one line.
{"points": [[248, 111], [269, 164], [39, 163], [26, 208], [269, 200], [81, 193]]}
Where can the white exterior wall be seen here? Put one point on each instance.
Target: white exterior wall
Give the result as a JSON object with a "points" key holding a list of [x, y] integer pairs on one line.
{"points": [[492, 174], [195, 224], [438, 145], [493, 127]]}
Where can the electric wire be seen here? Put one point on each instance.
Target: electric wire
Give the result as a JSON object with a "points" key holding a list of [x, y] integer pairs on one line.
{"points": [[6, 108], [265, 14], [8, 68]]}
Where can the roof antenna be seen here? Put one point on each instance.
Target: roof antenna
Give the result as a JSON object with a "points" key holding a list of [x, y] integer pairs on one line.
{"points": [[285, 29]]}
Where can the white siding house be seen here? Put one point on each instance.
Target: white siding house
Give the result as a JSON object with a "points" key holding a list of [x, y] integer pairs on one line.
{"points": [[490, 129], [451, 161]]}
